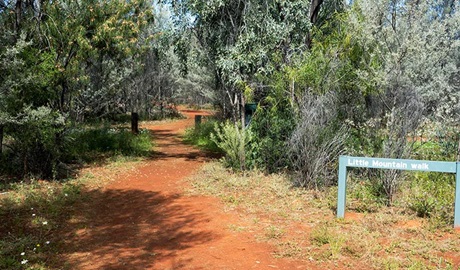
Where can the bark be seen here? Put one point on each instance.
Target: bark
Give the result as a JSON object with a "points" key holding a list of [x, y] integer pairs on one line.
{"points": [[1, 138], [314, 10], [134, 123], [315, 7], [37, 9], [18, 11], [242, 111], [63, 94]]}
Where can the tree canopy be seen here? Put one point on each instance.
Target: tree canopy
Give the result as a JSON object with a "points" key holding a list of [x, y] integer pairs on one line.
{"points": [[387, 65]]}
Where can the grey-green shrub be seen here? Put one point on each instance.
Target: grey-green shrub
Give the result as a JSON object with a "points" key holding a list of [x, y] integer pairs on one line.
{"points": [[317, 141], [234, 141], [36, 142]]}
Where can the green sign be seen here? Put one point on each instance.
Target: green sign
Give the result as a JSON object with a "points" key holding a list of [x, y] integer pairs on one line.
{"points": [[396, 164]]}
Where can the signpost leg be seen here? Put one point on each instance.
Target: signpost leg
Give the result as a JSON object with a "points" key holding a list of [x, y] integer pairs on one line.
{"points": [[342, 187], [457, 198]]}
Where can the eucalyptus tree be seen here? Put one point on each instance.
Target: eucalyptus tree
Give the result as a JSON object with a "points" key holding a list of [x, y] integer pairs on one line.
{"points": [[416, 44], [61, 59], [104, 41], [245, 39], [157, 74], [385, 65], [87, 41], [326, 91]]}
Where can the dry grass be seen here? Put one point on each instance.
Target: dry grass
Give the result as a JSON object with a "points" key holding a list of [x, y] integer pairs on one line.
{"points": [[34, 213], [302, 224]]}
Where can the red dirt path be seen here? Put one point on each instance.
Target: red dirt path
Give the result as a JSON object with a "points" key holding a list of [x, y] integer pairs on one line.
{"points": [[144, 221]]}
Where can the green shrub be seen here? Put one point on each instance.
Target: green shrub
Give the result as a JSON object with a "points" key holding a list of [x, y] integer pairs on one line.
{"points": [[441, 144], [35, 143], [48, 156], [431, 195], [89, 144], [366, 195], [201, 136], [235, 142], [271, 126]]}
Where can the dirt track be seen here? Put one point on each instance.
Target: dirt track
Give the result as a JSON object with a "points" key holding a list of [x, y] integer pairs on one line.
{"points": [[144, 221]]}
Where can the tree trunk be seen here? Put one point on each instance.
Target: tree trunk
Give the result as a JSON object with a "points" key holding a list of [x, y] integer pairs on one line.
{"points": [[18, 11], [1, 139], [234, 106], [63, 94], [134, 123], [314, 10], [242, 111]]}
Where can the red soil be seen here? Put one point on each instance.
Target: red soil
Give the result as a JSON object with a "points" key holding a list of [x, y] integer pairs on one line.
{"points": [[144, 221]]}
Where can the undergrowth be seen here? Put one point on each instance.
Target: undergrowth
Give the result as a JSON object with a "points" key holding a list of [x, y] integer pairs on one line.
{"points": [[31, 215], [201, 135], [72, 148], [34, 212], [302, 225], [93, 143]]}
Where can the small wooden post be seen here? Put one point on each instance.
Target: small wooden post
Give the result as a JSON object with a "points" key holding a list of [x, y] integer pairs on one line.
{"points": [[134, 123], [197, 121]]}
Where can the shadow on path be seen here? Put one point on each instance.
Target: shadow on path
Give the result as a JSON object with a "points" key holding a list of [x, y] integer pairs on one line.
{"points": [[142, 219], [131, 229]]}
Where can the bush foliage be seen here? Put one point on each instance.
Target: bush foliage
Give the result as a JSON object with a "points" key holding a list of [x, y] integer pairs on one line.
{"points": [[47, 151], [271, 127], [201, 135], [235, 142]]}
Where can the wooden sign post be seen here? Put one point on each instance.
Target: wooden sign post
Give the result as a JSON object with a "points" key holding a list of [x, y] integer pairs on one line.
{"points": [[396, 164]]}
